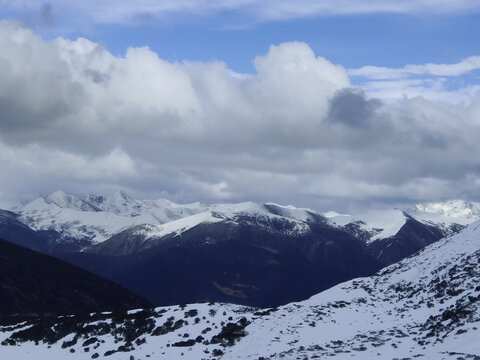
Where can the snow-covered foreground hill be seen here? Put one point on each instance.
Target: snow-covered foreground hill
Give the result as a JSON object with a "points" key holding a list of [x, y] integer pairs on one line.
{"points": [[426, 306]]}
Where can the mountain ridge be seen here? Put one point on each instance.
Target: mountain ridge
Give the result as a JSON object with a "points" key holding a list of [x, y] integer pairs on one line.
{"points": [[96, 218], [426, 306], [244, 253]]}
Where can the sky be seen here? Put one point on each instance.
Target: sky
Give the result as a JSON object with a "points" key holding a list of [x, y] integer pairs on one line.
{"points": [[324, 104]]}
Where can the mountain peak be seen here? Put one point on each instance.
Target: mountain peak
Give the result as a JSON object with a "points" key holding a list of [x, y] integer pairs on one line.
{"points": [[67, 201], [58, 193], [119, 203], [58, 196], [123, 195], [452, 209]]}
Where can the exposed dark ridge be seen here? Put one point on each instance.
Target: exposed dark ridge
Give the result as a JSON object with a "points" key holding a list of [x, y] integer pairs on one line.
{"points": [[34, 283]]}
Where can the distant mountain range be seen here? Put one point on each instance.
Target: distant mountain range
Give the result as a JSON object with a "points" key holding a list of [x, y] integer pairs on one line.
{"points": [[75, 224], [424, 307], [246, 253]]}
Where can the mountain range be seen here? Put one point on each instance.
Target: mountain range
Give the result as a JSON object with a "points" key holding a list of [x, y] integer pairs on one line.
{"points": [[426, 306], [246, 253], [82, 222]]}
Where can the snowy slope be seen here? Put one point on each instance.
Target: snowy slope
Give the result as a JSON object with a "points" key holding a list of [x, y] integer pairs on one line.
{"points": [[97, 218], [219, 219], [232, 213], [447, 213], [426, 307], [378, 224], [179, 226], [448, 216]]}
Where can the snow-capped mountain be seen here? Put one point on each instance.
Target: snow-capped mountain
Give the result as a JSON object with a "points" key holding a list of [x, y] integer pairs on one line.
{"points": [[270, 217], [451, 210], [448, 216], [244, 253], [94, 219], [394, 234], [117, 224], [426, 307], [244, 258]]}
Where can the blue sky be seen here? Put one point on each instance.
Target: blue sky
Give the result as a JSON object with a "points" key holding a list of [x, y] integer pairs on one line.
{"points": [[319, 103], [354, 40]]}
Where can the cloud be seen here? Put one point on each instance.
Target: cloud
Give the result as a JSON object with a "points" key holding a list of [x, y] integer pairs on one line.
{"points": [[375, 72], [32, 169], [77, 118], [433, 89], [92, 93], [350, 107], [123, 11], [437, 82]]}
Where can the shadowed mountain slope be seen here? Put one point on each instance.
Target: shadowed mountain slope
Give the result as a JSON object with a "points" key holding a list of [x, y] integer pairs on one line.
{"points": [[239, 262], [31, 282], [15, 231]]}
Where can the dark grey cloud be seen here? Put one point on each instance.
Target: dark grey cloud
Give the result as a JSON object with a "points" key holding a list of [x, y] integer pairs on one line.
{"points": [[97, 76], [351, 107]]}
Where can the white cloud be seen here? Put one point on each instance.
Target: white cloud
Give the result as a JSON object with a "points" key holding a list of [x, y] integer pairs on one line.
{"points": [[377, 72], [437, 82], [32, 169], [64, 165], [432, 89], [123, 11], [77, 118]]}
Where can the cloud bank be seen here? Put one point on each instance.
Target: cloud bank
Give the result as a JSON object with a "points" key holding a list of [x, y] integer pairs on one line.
{"points": [[77, 118]]}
